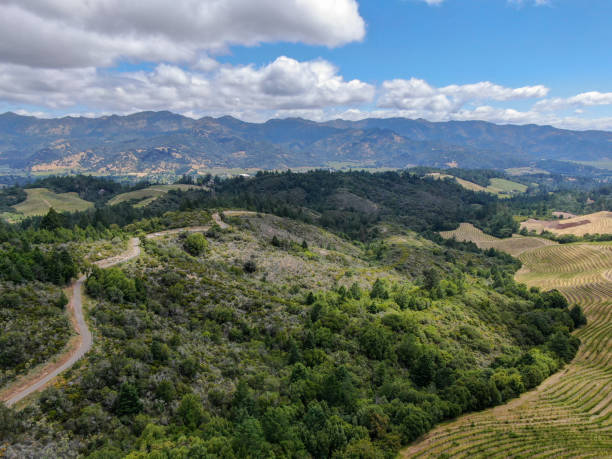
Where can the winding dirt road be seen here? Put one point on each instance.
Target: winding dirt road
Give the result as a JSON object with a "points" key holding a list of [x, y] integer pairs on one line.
{"points": [[34, 382], [83, 343], [37, 381]]}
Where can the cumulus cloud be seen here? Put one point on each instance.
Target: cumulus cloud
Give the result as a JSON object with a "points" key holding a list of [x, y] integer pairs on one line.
{"points": [[284, 84], [416, 94], [74, 33], [585, 99]]}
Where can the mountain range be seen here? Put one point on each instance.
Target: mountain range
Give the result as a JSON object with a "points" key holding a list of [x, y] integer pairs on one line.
{"points": [[165, 142]]}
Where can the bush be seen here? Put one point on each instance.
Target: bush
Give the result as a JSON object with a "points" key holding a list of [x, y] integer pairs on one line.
{"points": [[249, 266], [195, 244]]}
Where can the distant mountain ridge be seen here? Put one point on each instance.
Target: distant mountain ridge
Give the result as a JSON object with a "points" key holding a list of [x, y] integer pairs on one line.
{"points": [[150, 142]]}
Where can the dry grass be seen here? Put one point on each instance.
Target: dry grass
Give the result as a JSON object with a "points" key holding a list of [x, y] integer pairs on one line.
{"points": [[498, 186]]}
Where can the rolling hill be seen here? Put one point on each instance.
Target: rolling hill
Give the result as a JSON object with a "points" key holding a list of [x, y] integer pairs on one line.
{"points": [[40, 200], [158, 142]]}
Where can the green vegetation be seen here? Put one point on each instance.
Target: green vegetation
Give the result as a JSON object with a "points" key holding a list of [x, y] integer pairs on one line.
{"points": [[145, 196], [33, 327], [505, 186], [40, 200], [332, 320]]}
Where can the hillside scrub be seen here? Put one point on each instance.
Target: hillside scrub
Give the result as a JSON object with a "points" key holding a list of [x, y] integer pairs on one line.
{"points": [[33, 328], [207, 360]]}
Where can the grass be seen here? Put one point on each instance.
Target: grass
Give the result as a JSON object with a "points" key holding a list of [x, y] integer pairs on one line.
{"points": [[146, 196], [506, 186], [40, 200], [570, 414]]}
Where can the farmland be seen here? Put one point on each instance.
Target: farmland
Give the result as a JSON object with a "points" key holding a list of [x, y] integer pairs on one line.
{"points": [[147, 195], [570, 413], [498, 186], [596, 223], [514, 245], [40, 200]]}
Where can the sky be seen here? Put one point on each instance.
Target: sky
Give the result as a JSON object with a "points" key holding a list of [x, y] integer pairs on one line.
{"points": [[503, 61]]}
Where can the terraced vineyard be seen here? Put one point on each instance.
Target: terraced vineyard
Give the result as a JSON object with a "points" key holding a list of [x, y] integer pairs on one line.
{"points": [[570, 414], [514, 245], [597, 223]]}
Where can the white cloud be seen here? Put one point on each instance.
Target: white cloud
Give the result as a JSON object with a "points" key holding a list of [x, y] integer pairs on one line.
{"points": [[416, 94], [433, 2], [585, 99], [285, 84], [75, 33]]}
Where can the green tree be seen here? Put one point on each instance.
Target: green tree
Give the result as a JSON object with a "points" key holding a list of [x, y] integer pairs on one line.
{"points": [[127, 402], [379, 290], [52, 220], [190, 411]]}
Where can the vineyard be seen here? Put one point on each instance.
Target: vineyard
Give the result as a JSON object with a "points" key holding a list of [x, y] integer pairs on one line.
{"points": [[570, 414], [514, 245], [597, 223]]}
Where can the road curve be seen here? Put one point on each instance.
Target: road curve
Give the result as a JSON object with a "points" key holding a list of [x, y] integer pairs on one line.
{"points": [[85, 340]]}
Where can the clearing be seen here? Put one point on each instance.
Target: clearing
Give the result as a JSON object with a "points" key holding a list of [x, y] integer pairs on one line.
{"points": [[147, 195], [498, 186], [40, 200]]}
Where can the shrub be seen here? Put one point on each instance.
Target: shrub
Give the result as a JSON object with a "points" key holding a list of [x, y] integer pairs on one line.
{"points": [[195, 244]]}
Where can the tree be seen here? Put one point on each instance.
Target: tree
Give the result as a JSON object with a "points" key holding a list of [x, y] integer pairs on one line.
{"points": [[52, 220], [195, 244], [431, 278], [128, 402], [249, 266], [578, 316], [190, 411], [379, 290]]}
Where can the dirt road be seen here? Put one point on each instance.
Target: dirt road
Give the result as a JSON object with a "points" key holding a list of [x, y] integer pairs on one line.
{"points": [[83, 343], [39, 380]]}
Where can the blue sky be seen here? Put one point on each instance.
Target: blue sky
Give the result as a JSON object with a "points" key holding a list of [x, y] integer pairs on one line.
{"points": [[505, 61]]}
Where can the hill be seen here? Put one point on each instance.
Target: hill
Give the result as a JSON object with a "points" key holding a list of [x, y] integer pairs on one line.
{"points": [[568, 415], [156, 142], [40, 200], [269, 336]]}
